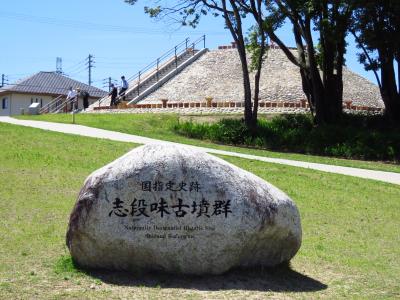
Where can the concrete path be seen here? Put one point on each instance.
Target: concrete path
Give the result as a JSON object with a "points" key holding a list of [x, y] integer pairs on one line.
{"points": [[390, 177]]}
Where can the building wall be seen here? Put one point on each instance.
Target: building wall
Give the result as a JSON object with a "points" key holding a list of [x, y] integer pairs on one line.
{"points": [[16, 102], [5, 105], [23, 101]]}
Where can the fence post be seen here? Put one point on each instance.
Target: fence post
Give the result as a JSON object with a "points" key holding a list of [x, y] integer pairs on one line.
{"points": [[73, 109], [158, 63], [176, 59], [204, 41], [138, 89]]}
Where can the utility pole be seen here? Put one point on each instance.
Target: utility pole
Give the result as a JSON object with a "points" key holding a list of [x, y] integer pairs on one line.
{"points": [[3, 80], [107, 83], [90, 66]]}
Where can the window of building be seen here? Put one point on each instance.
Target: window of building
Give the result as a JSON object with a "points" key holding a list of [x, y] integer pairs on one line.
{"points": [[41, 102], [4, 103]]}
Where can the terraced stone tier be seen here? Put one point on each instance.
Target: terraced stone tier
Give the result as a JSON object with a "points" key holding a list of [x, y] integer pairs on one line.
{"points": [[218, 74]]}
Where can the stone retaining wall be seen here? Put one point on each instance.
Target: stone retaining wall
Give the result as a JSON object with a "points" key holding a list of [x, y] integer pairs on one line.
{"points": [[302, 104]]}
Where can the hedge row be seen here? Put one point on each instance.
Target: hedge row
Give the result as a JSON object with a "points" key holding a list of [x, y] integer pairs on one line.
{"points": [[358, 137]]}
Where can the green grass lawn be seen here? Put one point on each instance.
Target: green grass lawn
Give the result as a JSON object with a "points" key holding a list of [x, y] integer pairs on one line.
{"points": [[351, 230], [159, 126]]}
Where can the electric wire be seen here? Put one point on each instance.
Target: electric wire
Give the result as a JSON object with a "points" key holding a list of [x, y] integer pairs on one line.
{"points": [[94, 26]]}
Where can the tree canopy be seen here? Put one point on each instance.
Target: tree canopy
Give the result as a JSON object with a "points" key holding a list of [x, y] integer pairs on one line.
{"points": [[319, 29], [376, 28]]}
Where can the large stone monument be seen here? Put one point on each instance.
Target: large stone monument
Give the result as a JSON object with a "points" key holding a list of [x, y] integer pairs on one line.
{"points": [[179, 210]]}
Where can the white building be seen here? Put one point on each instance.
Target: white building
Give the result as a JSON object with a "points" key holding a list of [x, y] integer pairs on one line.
{"points": [[41, 88]]}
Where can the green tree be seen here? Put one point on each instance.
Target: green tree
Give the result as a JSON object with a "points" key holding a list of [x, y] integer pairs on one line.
{"points": [[376, 29], [320, 63], [189, 12]]}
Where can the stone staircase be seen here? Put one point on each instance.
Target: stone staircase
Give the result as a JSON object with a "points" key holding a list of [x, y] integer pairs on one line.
{"points": [[158, 72]]}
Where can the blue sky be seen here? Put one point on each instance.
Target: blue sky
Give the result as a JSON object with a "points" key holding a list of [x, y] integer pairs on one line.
{"points": [[121, 37]]}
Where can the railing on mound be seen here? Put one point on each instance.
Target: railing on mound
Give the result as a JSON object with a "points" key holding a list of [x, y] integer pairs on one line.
{"points": [[170, 56], [300, 104], [155, 68]]}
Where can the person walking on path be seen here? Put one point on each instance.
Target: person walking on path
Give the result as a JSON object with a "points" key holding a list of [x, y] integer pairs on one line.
{"points": [[124, 87], [113, 93]]}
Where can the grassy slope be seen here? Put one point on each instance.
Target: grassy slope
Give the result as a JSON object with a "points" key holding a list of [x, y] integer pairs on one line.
{"points": [[350, 230], [40, 175], [159, 126]]}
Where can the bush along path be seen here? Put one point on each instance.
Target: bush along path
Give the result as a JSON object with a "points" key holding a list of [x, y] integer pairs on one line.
{"points": [[355, 137], [389, 177]]}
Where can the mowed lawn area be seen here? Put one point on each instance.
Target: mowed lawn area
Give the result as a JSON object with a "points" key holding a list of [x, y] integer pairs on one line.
{"points": [[160, 126], [351, 230]]}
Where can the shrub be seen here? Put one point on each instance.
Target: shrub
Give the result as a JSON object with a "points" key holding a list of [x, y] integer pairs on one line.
{"points": [[355, 136]]}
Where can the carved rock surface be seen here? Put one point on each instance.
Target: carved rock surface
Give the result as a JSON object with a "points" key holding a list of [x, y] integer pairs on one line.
{"points": [[179, 210]]}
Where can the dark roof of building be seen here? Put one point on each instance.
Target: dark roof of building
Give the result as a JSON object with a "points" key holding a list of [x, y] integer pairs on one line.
{"points": [[51, 83]]}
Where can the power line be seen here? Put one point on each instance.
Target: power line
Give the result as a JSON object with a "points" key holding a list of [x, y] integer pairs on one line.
{"points": [[86, 64], [78, 71], [76, 66], [124, 59], [94, 26], [119, 63], [119, 67], [107, 82]]}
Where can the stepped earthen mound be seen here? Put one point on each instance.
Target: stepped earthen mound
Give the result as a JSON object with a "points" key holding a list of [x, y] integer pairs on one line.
{"points": [[218, 74]]}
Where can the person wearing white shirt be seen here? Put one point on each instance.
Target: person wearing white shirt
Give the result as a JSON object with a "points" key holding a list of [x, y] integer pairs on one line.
{"points": [[124, 86], [71, 95]]}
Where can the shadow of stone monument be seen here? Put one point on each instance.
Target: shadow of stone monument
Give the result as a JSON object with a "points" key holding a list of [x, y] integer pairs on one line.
{"points": [[278, 279]]}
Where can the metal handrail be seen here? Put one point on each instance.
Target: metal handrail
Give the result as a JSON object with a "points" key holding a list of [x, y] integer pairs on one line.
{"points": [[177, 55], [142, 79], [177, 51], [50, 104], [64, 104], [159, 59]]}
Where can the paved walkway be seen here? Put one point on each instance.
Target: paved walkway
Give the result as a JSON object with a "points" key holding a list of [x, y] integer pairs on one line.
{"points": [[390, 177]]}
